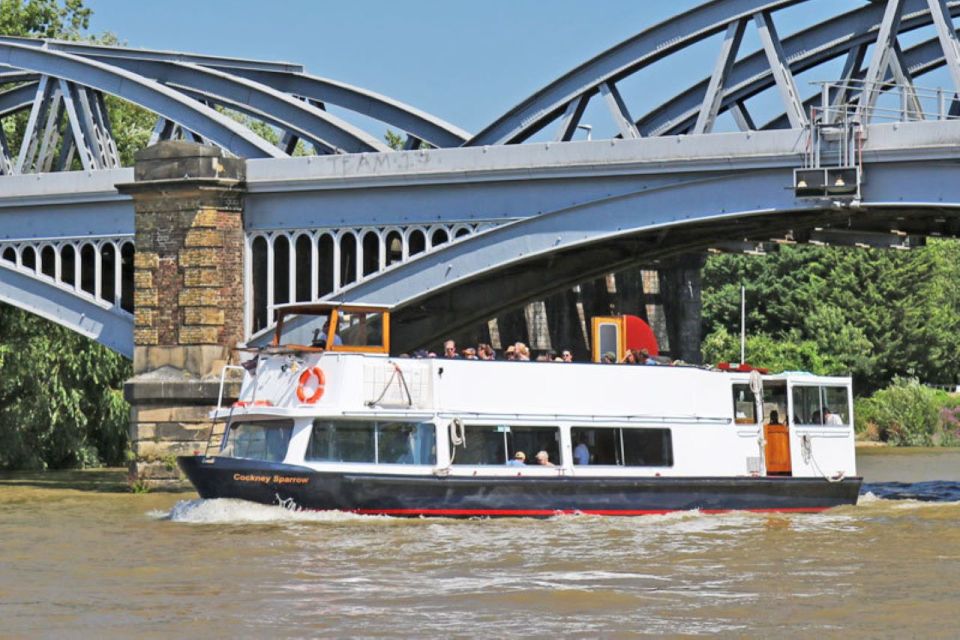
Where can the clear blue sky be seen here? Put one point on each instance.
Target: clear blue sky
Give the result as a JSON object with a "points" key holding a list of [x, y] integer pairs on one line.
{"points": [[466, 62]]}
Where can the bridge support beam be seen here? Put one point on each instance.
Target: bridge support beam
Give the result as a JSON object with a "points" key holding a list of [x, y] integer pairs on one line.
{"points": [[681, 288], [188, 202]]}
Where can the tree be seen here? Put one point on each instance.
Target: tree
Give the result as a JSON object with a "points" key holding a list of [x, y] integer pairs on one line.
{"points": [[872, 313]]}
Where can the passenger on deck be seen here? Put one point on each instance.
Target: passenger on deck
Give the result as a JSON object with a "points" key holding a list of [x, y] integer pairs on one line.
{"points": [[832, 418], [519, 460], [609, 358], [581, 453], [486, 352], [450, 349], [630, 357], [816, 418], [523, 351], [646, 358], [543, 459], [774, 417], [510, 353], [470, 354], [567, 355]]}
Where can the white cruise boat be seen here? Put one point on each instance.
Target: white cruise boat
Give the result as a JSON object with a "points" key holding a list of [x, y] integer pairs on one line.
{"points": [[346, 426]]}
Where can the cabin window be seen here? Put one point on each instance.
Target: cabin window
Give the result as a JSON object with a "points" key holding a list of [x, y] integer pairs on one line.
{"points": [[360, 329], [612, 446], [305, 329], [744, 404], [259, 440], [835, 402], [498, 444], [821, 404], [372, 442], [775, 404]]}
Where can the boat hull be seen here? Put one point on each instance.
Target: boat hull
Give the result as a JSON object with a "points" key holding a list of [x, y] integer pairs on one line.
{"points": [[450, 496]]}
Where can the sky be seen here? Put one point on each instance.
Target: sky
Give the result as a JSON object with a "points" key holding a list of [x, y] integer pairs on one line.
{"points": [[466, 62]]}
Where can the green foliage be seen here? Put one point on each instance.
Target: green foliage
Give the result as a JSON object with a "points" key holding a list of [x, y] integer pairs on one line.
{"points": [[906, 413], [61, 403], [394, 140], [870, 313], [44, 18]]}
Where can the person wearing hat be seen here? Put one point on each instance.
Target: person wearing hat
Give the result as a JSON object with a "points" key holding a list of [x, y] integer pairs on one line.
{"points": [[519, 460], [511, 353], [609, 358]]}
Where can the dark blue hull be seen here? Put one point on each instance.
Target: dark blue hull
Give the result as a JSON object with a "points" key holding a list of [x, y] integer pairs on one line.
{"points": [[272, 483]]}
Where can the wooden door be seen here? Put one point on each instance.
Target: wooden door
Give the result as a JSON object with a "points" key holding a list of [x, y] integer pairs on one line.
{"points": [[777, 451]]}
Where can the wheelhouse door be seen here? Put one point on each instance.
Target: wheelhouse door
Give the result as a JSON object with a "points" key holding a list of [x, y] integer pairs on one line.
{"points": [[776, 429]]}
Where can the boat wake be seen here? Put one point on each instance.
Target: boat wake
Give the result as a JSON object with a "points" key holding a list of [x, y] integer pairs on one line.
{"points": [[228, 511], [934, 491]]}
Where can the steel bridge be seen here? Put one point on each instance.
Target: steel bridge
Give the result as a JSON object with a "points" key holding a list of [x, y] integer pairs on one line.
{"points": [[455, 227]]}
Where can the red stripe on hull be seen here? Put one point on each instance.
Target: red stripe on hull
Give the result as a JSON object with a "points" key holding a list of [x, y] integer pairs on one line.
{"points": [[560, 512]]}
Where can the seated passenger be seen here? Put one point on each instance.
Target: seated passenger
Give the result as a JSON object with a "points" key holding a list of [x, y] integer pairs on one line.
{"points": [[831, 417], [450, 349], [485, 352], [523, 351], [609, 358], [581, 453], [646, 358], [320, 337], [630, 357], [519, 460], [567, 355], [543, 459]]}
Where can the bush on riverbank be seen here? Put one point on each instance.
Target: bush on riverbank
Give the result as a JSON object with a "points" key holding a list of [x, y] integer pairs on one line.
{"points": [[907, 413], [61, 398]]}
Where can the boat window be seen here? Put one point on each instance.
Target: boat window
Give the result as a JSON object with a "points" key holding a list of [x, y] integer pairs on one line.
{"points": [[498, 444], [264, 440], [821, 404], [806, 405], [360, 329], [835, 403], [775, 400], [744, 405], [613, 446], [305, 329], [406, 443], [374, 442]]}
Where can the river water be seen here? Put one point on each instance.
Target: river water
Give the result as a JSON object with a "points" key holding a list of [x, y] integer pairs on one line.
{"points": [[78, 559]]}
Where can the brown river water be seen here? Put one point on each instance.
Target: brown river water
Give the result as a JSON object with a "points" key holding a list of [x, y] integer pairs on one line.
{"points": [[80, 558]]}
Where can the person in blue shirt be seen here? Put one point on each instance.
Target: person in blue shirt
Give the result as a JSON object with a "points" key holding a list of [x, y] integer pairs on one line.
{"points": [[320, 336], [581, 453], [519, 460]]}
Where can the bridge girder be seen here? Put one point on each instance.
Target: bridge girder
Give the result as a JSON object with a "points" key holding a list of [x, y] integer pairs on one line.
{"points": [[473, 279], [107, 324]]}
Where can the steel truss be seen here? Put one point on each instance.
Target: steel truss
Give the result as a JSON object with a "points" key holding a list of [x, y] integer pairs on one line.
{"points": [[62, 85], [734, 80]]}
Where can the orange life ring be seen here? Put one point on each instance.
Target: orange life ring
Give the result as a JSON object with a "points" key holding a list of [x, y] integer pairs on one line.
{"points": [[317, 373]]}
